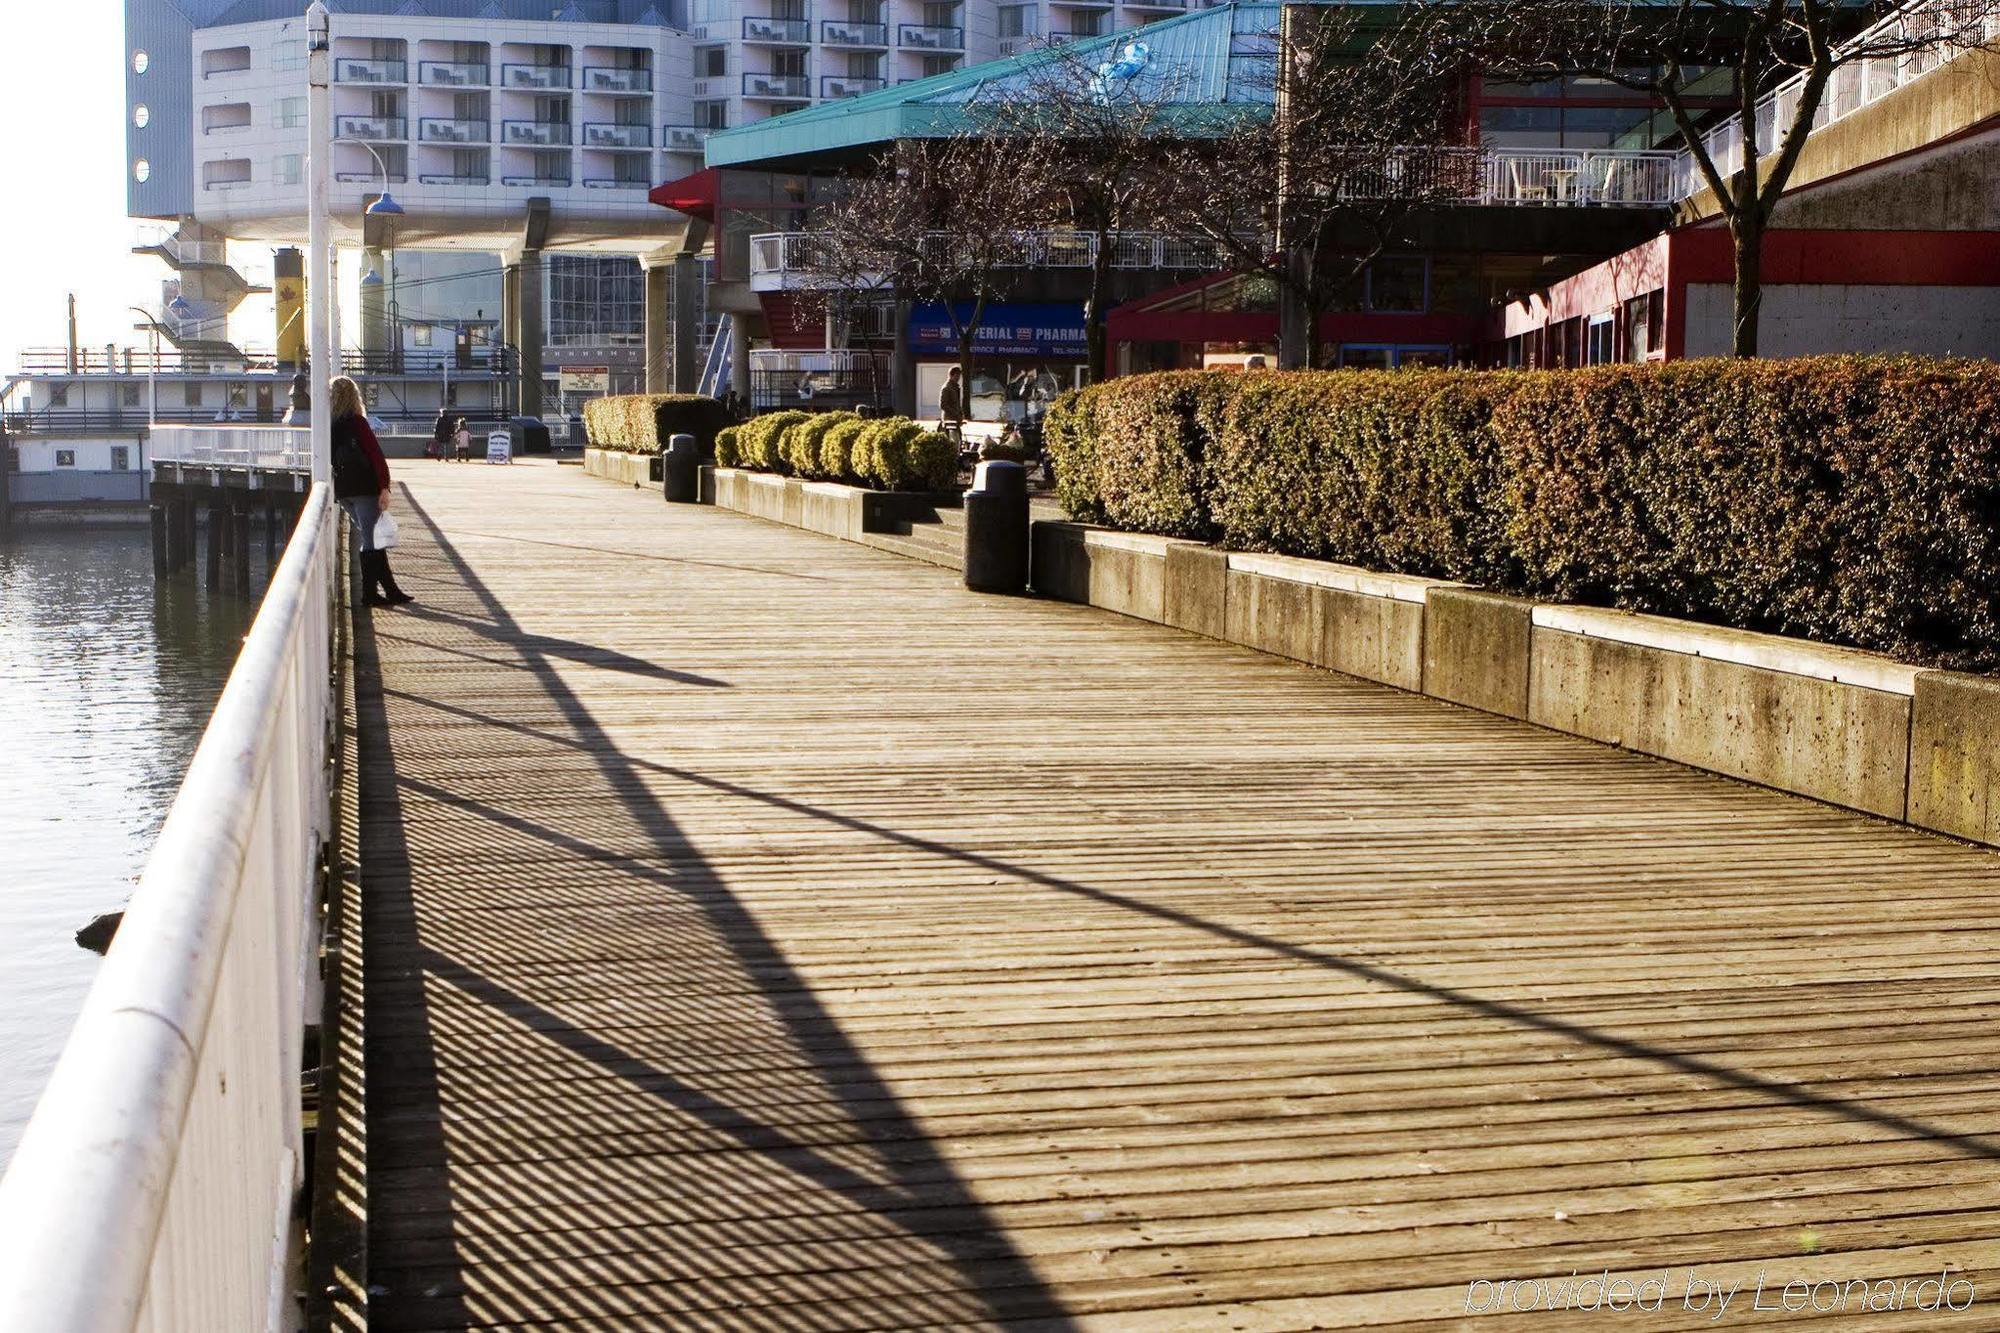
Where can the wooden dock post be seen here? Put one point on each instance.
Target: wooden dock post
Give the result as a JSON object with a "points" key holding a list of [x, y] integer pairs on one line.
{"points": [[157, 516]]}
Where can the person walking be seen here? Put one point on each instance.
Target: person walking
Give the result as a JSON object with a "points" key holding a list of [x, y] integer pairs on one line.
{"points": [[361, 485], [951, 405]]}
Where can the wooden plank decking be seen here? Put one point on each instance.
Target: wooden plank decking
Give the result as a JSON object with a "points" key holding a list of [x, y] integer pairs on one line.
{"points": [[763, 932]]}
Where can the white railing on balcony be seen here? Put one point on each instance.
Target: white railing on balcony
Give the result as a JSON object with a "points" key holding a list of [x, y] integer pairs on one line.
{"points": [[1853, 86], [154, 1186], [181, 250], [264, 447]]}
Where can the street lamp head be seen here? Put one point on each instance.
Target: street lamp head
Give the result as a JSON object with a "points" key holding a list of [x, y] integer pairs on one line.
{"points": [[179, 308], [385, 206], [371, 279]]}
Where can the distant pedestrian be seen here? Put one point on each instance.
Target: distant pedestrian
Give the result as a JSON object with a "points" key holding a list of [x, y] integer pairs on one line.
{"points": [[461, 439], [441, 432], [361, 484], [951, 405]]}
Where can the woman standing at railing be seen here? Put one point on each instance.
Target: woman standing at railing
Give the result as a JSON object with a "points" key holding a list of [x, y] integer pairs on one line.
{"points": [[361, 484]]}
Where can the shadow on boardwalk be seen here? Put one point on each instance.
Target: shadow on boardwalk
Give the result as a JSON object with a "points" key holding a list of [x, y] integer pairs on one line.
{"points": [[527, 1161]]}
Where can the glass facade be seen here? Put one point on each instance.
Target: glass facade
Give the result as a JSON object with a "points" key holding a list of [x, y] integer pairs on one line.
{"points": [[596, 301]]}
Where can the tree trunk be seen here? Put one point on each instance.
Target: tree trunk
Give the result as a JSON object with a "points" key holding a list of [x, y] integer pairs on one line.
{"points": [[1097, 363], [1746, 231]]}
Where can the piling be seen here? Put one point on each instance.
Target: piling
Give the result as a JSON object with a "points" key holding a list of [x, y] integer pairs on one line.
{"points": [[157, 515]]}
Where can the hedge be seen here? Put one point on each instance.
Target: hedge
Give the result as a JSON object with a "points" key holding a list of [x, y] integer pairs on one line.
{"points": [[893, 453], [640, 423], [1851, 500]]}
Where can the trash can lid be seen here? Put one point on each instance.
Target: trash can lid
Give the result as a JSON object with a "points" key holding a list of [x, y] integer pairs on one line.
{"points": [[999, 476]]}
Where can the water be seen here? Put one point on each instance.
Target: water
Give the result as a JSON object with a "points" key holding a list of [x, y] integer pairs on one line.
{"points": [[107, 677]]}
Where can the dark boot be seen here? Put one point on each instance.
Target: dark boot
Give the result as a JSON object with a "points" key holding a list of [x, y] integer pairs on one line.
{"points": [[373, 564], [396, 595]]}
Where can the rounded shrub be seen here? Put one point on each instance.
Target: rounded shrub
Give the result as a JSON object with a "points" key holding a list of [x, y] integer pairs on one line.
{"points": [[726, 454], [801, 443], [888, 454], [931, 461], [760, 438], [836, 449]]}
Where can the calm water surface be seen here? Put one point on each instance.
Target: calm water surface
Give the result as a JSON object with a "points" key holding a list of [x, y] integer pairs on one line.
{"points": [[107, 678]]}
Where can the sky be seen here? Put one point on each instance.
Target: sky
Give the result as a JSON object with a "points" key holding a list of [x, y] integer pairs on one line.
{"points": [[64, 229]]}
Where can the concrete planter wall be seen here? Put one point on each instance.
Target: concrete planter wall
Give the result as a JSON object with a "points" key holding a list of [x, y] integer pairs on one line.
{"points": [[848, 512], [616, 465], [1850, 728]]}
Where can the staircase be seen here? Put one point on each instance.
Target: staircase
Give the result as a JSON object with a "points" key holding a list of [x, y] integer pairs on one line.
{"points": [[715, 372]]}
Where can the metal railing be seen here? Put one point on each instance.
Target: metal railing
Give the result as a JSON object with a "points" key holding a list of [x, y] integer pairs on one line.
{"points": [[154, 1185], [782, 32], [371, 71], [534, 76], [542, 133], [1854, 85], [373, 128], [443, 129], [616, 183], [536, 182], [454, 180], [926, 37], [841, 32], [264, 447], [610, 79], [180, 250], [787, 87], [833, 87], [454, 73], [683, 138], [792, 253], [604, 135]]}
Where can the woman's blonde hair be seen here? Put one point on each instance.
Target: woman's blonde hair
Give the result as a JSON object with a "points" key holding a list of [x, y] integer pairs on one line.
{"points": [[346, 397]]}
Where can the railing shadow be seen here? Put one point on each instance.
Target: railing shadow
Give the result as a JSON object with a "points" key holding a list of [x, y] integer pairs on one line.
{"points": [[528, 1163]]}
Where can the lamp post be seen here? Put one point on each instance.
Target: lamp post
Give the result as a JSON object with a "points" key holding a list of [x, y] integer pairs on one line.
{"points": [[152, 367], [320, 295]]}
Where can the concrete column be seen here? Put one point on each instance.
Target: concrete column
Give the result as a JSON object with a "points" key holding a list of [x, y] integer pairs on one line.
{"points": [[687, 323], [661, 330], [374, 302], [739, 358], [528, 301], [902, 366]]}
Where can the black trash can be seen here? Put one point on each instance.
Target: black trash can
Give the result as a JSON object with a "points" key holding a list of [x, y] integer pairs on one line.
{"points": [[680, 470], [529, 435], [996, 528]]}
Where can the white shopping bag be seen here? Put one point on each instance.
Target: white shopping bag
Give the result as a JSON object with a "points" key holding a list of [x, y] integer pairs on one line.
{"points": [[385, 531]]}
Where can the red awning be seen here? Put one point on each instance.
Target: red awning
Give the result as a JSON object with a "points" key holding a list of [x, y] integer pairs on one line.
{"points": [[694, 195]]}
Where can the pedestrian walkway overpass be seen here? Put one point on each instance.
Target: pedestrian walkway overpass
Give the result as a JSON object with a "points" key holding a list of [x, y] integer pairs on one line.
{"points": [[734, 927]]}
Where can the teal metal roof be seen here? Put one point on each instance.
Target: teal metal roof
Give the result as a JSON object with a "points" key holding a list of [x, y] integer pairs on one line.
{"points": [[1200, 61]]}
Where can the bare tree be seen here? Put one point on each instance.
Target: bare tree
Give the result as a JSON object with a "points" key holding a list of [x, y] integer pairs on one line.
{"points": [[937, 220], [1365, 135], [1096, 134], [1771, 61]]}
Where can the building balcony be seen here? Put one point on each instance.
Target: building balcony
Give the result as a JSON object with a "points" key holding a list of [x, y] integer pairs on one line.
{"points": [[369, 178], [833, 86], [454, 74], [924, 37], [617, 136], [434, 129], [778, 87], [541, 78], [683, 138], [616, 183], [536, 182], [618, 82], [841, 32], [349, 70], [374, 129], [455, 180], [777, 32], [536, 133]]}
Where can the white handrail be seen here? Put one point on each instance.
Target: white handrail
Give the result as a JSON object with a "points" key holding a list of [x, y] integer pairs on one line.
{"points": [[253, 446], [154, 1185]]}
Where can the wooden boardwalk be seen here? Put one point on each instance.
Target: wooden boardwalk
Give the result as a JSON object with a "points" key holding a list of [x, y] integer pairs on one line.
{"points": [[763, 932]]}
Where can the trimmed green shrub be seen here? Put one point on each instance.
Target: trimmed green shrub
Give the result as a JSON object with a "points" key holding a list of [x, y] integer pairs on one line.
{"points": [[801, 444], [760, 439], [931, 461], [726, 450], [888, 454], [640, 423], [1851, 500], [836, 449]]}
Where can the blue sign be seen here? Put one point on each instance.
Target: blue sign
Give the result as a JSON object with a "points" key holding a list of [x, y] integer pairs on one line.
{"points": [[1024, 329]]}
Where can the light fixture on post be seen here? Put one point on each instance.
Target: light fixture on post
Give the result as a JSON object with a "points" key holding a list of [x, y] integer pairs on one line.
{"points": [[152, 368], [383, 205]]}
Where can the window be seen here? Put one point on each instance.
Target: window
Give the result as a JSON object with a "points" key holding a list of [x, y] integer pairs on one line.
{"points": [[285, 168], [121, 458], [141, 62], [225, 116], [711, 62], [711, 115], [420, 336], [59, 395], [142, 115], [789, 63], [191, 393], [128, 394], [65, 458], [1017, 20], [1400, 283], [289, 55], [1600, 340], [939, 65], [291, 113], [142, 171], [225, 60]]}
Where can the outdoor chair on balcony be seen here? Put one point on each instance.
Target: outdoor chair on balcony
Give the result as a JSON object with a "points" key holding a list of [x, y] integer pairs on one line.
{"points": [[1524, 187]]}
